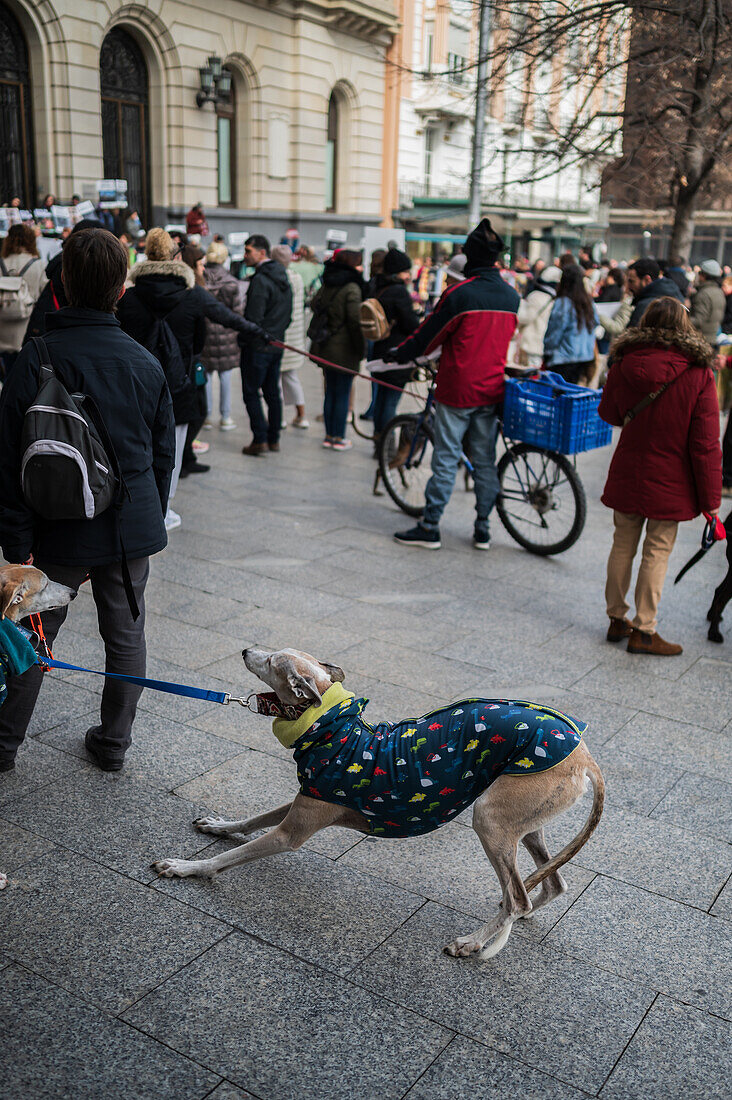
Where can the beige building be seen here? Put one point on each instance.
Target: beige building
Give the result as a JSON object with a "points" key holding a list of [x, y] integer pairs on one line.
{"points": [[94, 89]]}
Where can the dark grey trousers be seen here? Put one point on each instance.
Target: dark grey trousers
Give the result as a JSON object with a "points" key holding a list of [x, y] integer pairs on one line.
{"points": [[124, 646]]}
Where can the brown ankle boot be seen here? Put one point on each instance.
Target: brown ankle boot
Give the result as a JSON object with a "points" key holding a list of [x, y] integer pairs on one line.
{"points": [[639, 642], [257, 449], [619, 629]]}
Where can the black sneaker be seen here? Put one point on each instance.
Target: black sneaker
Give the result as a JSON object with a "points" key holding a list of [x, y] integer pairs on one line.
{"points": [[481, 536], [420, 536], [107, 761], [194, 468]]}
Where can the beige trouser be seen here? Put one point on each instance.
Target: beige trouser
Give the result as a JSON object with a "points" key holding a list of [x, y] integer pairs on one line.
{"points": [[657, 546]]}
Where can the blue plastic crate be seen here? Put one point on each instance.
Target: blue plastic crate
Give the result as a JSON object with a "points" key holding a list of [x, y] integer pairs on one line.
{"points": [[554, 414]]}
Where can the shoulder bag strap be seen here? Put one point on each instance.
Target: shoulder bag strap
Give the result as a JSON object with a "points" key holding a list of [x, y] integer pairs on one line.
{"points": [[650, 398]]}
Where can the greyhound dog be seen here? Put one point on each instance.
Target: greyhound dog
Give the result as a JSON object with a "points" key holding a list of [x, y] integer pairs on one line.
{"points": [[24, 590], [520, 763]]}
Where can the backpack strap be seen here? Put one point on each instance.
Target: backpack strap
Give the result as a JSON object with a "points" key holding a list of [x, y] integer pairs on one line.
{"points": [[650, 398], [3, 269], [30, 263], [46, 365]]}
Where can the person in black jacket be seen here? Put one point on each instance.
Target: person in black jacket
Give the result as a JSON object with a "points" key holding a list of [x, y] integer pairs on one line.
{"points": [[92, 355], [164, 288], [269, 305], [390, 289], [53, 295]]}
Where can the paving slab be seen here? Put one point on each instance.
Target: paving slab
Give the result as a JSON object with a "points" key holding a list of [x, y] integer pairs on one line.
{"points": [[163, 753], [114, 820], [469, 1069], [188, 645], [251, 784], [723, 903], [675, 1052], [671, 948], [700, 805], [56, 1046], [19, 846], [36, 765], [586, 1016], [226, 1091], [436, 675], [303, 903], [223, 1010], [449, 866], [676, 700], [58, 702], [105, 938], [682, 744], [634, 782], [659, 856]]}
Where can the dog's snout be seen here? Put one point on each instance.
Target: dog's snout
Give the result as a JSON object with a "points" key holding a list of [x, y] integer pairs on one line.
{"points": [[73, 594], [244, 652]]}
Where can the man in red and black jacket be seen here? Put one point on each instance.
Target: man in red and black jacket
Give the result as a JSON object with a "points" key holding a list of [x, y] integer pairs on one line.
{"points": [[473, 322]]}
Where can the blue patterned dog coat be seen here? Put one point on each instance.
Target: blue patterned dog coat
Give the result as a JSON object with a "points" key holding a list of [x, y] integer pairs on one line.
{"points": [[17, 655], [411, 777]]}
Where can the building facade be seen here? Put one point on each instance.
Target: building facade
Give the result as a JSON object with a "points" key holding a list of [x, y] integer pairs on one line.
{"points": [[542, 203], [92, 90]]}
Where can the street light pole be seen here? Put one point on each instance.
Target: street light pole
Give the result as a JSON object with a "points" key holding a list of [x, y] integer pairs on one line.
{"points": [[481, 101]]}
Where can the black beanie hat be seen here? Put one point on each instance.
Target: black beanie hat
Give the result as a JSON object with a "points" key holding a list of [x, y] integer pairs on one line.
{"points": [[482, 247], [396, 261]]}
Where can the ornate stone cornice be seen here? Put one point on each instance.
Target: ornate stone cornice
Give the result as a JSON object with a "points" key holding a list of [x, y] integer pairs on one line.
{"points": [[375, 22]]}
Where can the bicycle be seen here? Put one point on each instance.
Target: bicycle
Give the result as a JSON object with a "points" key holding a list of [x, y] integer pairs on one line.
{"points": [[538, 487]]}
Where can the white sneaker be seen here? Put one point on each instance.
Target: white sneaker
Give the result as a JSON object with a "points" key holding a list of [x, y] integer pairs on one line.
{"points": [[172, 520], [226, 424], [208, 424], [300, 423]]}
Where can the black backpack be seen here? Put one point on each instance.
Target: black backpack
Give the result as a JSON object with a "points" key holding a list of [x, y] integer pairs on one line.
{"points": [[166, 349], [69, 469], [319, 330]]}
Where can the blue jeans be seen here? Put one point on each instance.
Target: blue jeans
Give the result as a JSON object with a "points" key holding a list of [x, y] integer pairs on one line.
{"points": [[260, 370], [385, 406], [479, 428], [335, 406]]}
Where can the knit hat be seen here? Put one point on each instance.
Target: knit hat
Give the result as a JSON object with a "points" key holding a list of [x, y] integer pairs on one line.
{"points": [[551, 275], [711, 268], [160, 245], [282, 253], [217, 253], [482, 247], [456, 267], [396, 261]]}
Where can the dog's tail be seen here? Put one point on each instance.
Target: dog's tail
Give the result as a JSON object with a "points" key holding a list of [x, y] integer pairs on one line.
{"points": [[571, 849]]}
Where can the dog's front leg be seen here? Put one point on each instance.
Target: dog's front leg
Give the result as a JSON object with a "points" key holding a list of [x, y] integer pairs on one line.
{"points": [[218, 826]]}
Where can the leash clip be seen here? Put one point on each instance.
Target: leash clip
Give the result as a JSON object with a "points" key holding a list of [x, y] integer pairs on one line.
{"points": [[242, 702]]}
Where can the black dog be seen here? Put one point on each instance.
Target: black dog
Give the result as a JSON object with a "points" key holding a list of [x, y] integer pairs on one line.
{"points": [[723, 594]]}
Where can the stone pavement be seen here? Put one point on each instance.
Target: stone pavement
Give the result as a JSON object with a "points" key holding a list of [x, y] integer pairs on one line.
{"points": [[320, 974]]}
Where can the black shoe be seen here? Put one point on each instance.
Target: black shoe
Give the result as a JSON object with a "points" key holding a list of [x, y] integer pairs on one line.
{"points": [[107, 761], [194, 468], [420, 536], [481, 536], [7, 763]]}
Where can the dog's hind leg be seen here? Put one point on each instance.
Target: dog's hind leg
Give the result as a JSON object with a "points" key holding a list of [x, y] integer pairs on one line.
{"points": [[219, 826], [306, 816], [553, 886]]}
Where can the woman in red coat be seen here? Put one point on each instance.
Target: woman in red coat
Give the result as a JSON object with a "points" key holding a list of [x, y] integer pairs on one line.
{"points": [[667, 466]]}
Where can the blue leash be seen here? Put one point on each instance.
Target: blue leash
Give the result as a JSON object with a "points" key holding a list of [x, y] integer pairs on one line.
{"points": [[223, 697]]}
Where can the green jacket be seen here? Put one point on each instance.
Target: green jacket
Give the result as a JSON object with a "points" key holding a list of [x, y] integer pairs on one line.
{"points": [[341, 301]]}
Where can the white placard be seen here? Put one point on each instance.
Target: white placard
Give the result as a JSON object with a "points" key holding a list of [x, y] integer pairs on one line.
{"points": [[375, 236]]}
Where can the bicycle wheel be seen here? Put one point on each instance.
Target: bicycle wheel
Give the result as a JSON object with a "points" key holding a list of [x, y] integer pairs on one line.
{"points": [[405, 461], [542, 501]]}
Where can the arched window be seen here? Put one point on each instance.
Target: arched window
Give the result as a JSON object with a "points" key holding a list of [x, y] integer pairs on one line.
{"points": [[331, 154], [125, 124], [17, 170], [226, 148]]}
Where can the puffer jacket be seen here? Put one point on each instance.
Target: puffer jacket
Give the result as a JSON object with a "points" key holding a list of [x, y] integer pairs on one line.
{"points": [[221, 350], [167, 289], [295, 334], [533, 317], [707, 310], [565, 340], [340, 297], [668, 461], [269, 302], [396, 302], [12, 332]]}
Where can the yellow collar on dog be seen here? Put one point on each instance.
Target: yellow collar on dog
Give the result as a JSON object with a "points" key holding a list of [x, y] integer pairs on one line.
{"points": [[288, 732]]}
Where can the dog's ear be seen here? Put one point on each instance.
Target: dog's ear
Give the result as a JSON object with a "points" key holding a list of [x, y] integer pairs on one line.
{"points": [[336, 673], [303, 687], [11, 592]]}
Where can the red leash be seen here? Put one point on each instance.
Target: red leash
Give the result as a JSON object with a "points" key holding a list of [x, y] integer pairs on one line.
{"points": [[346, 370]]}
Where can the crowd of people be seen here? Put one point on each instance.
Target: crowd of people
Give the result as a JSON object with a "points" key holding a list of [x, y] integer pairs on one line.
{"points": [[181, 321]]}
